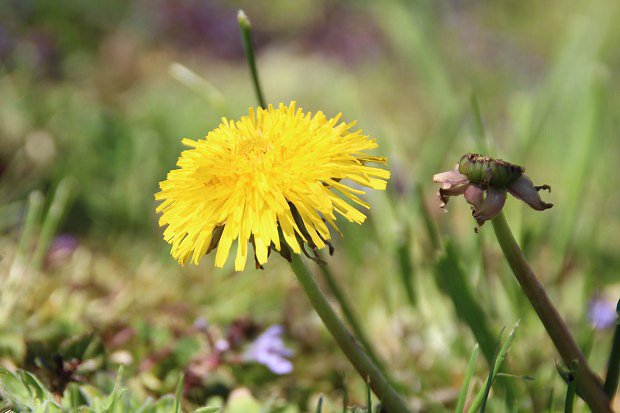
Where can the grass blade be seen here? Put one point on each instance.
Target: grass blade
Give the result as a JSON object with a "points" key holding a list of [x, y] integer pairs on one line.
{"points": [[319, 405], [345, 398], [352, 319], [51, 221], [469, 372], [452, 281], [497, 363], [13, 285], [178, 394], [551, 402], [117, 392], [571, 389], [406, 269], [491, 376], [368, 397], [480, 134], [429, 225]]}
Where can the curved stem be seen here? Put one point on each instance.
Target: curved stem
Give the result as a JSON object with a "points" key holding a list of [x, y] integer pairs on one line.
{"points": [[588, 383], [363, 364]]}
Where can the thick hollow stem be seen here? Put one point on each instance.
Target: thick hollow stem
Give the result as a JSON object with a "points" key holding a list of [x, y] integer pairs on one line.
{"points": [[363, 364], [588, 383]]}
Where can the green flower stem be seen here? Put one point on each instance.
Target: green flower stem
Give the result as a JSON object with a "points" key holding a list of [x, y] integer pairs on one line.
{"points": [[613, 364], [354, 352], [351, 318], [246, 36], [589, 384]]}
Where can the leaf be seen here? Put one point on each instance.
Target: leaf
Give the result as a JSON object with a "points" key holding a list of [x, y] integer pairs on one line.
{"points": [[368, 397], [498, 360], [14, 390], [452, 281], [34, 385], [117, 394], [469, 372], [571, 389], [178, 394], [319, 405], [551, 402], [92, 395], [164, 404], [491, 377]]}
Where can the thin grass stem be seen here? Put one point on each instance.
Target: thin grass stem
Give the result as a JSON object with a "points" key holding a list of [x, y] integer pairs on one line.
{"points": [[588, 383], [501, 352], [429, 226], [469, 373], [11, 291], [571, 389], [51, 221], [351, 318], [347, 343]]}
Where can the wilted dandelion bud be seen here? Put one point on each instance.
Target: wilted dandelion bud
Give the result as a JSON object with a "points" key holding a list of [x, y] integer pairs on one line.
{"points": [[484, 182]]}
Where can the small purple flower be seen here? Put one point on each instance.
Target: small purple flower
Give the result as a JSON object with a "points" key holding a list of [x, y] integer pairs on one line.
{"points": [[222, 345], [268, 349], [602, 313], [201, 324], [61, 250]]}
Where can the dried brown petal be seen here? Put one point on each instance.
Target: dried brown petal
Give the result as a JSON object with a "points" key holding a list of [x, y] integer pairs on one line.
{"points": [[491, 206], [448, 190], [450, 178], [525, 190], [474, 195]]}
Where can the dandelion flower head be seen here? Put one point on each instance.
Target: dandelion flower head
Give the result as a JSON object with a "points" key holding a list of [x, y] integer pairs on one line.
{"points": [[275, 178]]}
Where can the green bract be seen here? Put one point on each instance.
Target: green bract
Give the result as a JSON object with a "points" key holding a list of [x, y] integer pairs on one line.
{"points": [[487, 171]]}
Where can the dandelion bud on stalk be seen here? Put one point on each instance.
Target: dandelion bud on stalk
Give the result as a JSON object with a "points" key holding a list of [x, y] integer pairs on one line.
{"points": [[484, 182]]}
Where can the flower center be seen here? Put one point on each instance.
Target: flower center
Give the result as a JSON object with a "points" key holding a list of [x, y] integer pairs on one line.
{"points": [[252, 149]]}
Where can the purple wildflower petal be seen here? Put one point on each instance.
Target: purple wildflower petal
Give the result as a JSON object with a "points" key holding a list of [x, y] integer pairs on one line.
{"points": [[60, 251], [269, 349], [222, 345], [602, 313], [276, 364]]}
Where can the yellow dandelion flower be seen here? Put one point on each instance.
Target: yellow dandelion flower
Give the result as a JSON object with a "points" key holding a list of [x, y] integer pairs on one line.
{"points": [[268, 179]]}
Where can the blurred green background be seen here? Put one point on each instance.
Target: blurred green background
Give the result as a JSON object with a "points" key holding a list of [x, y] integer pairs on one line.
{"points": [[96, 96]]}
